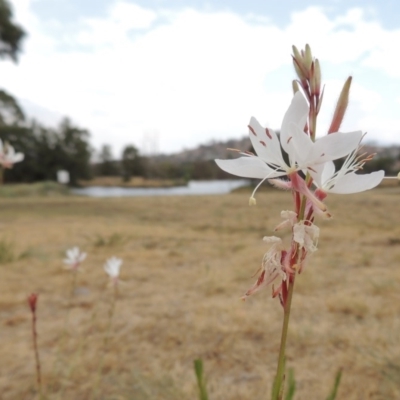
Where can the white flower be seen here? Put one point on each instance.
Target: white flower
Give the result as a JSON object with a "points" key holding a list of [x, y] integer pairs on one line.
{"points": [[8, 156], [74, 258], [345, 180], [112, 267], [306, 236], [271, 266], [302, 152]]}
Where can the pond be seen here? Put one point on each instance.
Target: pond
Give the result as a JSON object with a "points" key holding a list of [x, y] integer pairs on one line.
{"points": [[193, 188]]}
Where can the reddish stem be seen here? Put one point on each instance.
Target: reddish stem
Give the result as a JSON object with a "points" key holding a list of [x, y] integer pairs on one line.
{"points": [[32, 303]]}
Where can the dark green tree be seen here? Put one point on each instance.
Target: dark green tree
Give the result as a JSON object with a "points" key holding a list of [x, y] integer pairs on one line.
{"points": [[23, 140], [47, 151], [73, 150], [11, 34], [107, 165], [10, 111], [131, 163]]}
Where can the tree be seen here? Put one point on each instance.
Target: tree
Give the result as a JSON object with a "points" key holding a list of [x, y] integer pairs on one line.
{"points": [[132, 163], [47, 151], [11, 34], [23, 140], [10, 111], [73, 150], [107, 166]]}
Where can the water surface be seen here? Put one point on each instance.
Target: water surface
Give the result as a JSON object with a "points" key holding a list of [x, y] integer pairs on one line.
{"points": [[193, 188]]}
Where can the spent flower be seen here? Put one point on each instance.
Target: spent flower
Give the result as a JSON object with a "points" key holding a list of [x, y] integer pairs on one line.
{"points": [[271, 266], [306, 234]]}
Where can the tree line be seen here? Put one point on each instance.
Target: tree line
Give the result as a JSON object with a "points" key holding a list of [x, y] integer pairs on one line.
{"points": [[67, 147]]}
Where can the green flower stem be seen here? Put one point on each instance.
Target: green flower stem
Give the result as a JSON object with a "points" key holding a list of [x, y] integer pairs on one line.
{"points": [[280, 371]]}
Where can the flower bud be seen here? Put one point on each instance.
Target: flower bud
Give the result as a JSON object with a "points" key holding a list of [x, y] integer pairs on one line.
{"points": [[296, 54], [315, 82], [341, 107], [299, 65], [308, 58], [317, 74], [32, 300]]}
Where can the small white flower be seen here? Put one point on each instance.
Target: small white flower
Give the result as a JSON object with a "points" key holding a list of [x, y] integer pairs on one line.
{"points": [[74, 258], [112, 267], [8, 156], [306, 236]]}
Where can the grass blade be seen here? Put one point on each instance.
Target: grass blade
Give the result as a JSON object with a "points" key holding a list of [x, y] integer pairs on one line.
{"points": [[198, 368], [333, 393], [291, 386]]}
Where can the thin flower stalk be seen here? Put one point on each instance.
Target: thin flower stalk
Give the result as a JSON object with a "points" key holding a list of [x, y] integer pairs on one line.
{"points": [[278, 386], [32, 301], [73, 260], [85, 338], [112, 268]]}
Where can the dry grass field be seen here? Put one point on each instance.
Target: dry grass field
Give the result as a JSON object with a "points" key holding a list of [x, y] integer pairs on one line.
{"points": [[187, 261]]}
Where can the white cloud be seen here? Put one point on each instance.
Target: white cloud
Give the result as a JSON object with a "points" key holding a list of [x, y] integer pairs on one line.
{"points": [[193, 75], [124, 18]]}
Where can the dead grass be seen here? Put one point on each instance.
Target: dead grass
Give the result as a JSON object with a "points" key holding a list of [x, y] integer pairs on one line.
{"points": [[187, 260]]}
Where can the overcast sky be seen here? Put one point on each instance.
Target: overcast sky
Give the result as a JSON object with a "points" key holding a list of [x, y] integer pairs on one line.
{"points": [[170, 74]]}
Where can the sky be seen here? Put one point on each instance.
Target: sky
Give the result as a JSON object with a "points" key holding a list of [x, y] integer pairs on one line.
{"points": [[168, 75]]}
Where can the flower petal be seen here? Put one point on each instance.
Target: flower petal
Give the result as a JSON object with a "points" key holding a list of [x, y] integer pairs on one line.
{"points": [[296, 114], [334, 146], [321, 173], [301, 146], [248, 167], [353, 183], [265, 143]]}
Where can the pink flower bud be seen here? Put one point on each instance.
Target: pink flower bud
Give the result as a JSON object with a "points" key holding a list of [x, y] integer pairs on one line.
{"points": [[32, 300], [341, 107]]}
